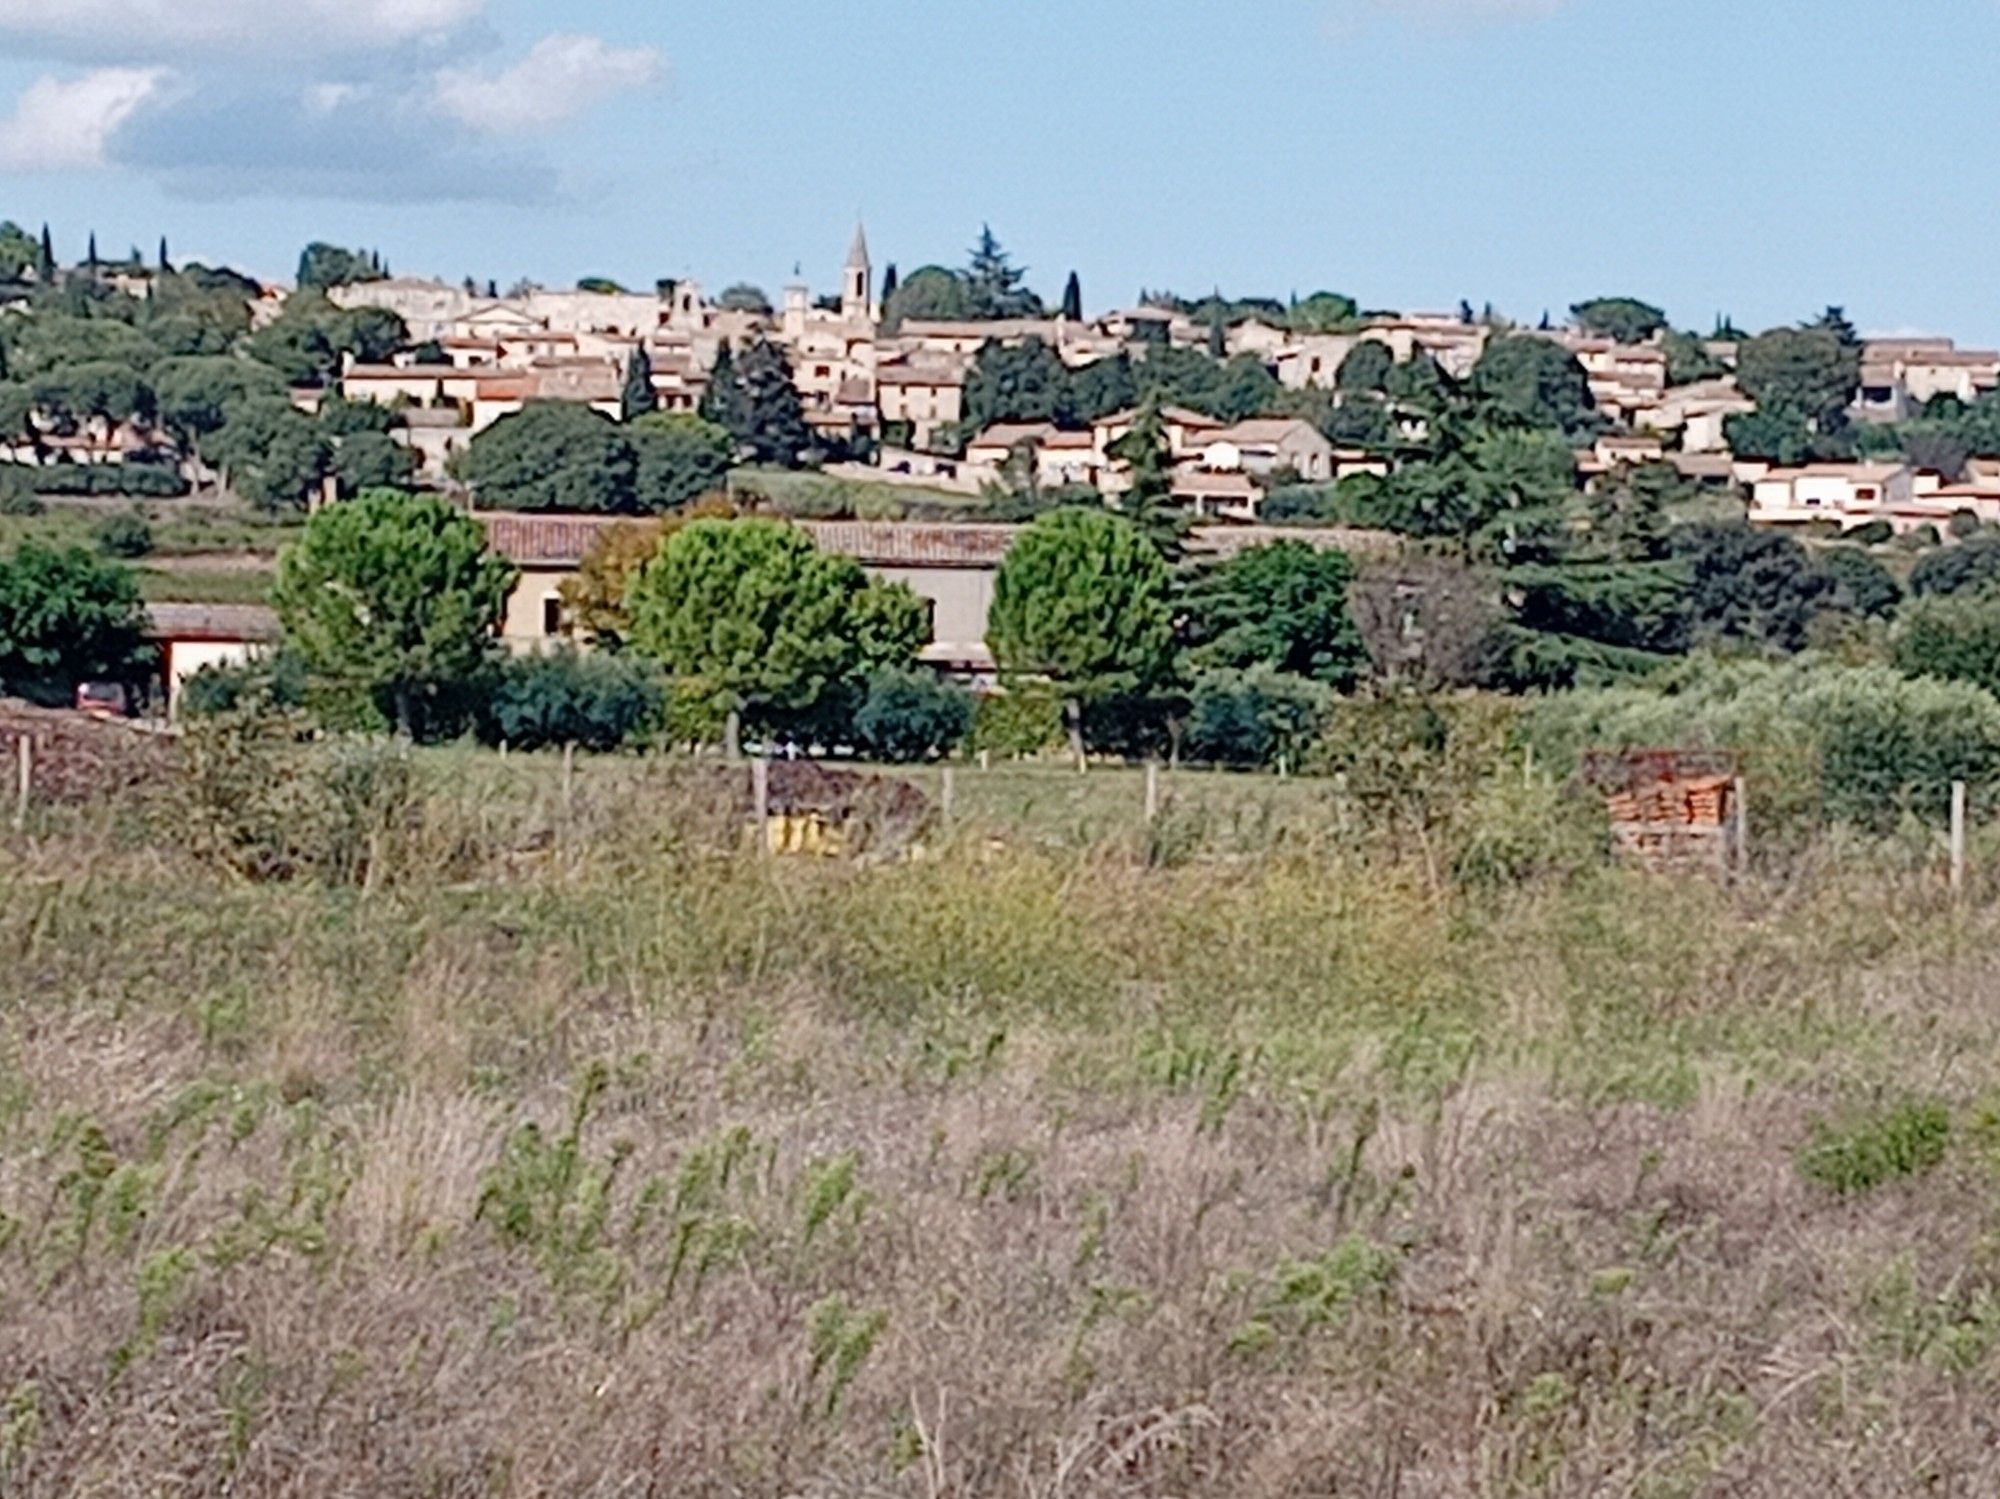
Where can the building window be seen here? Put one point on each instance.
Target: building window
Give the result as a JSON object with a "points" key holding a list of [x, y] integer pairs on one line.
{"points": [[552, 615]]}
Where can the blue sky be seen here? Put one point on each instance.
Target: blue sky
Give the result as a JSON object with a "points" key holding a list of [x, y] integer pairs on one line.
{"points": [[1758, 157]]}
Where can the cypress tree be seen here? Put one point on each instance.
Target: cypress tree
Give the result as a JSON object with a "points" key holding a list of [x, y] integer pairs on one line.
{"points": [[1072, 302], [165, 264], [719, 401], [888, 285], [90, 258], [638, 398], [45, 267]]}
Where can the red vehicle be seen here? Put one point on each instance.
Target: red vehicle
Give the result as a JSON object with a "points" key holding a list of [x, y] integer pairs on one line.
{"points": [[103, 700]]}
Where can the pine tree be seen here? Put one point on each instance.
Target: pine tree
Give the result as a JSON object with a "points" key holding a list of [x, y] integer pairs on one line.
{"points": [[993, 283], [1149, 499], [772, 419], [45, 265], [638, 398], [1072, 302]]}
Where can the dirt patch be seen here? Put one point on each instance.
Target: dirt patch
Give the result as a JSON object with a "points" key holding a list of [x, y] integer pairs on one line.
{"points": [[76, 758]]}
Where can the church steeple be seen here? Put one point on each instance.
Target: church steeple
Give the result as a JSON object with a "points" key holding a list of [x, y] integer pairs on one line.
{"points": [[857, 279]]}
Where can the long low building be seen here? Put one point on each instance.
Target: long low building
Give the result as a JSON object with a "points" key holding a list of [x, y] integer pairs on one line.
{"points": [[950, 565], [193, 636]]}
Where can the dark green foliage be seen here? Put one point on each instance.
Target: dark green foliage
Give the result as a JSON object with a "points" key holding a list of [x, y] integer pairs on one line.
{"points": [[1283, 605], [929, 294], [1366, 367], [101, 390], [1535, 381], [679, 458], [1865, 586], [1688, 361], [1751, 588], [1322, 312], [1072, 299], [307, 343], [764, 413], [1103, 387], [322, 265], [66, 616], [1024, 382], [1626, 319], [392, 600], [372, 460], [1952, 636], [993, 284], [743, 297], [1809, 373], [1776, 436], [908, 715], [1973, 564], [553, 456], [148, 480], [123, 535], [1877, 1147], [1082, 601], [1252, 717], [276, 679], [638, 396], [597, 701], [750, 616], [195, 393], [273, 453], [339, 417]]}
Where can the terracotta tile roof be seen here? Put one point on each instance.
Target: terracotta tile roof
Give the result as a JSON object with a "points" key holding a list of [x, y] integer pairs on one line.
{"points": [[1006, 434], [928, 374], [211, 622], [1259, 431], [903, 543], [562, 540]]}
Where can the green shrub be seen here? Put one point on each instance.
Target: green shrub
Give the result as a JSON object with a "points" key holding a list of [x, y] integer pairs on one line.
{"points": [[1818, 740], [277, 680], [147, 480], [1024, 720], [598, 702], [907, 715], [1877, 1147], [1953, 637], [1252, 717], [125, 535], [18, 500], [1871, 535]]}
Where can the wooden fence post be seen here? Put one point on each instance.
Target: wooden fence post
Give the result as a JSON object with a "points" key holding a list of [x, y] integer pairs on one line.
{"points": [[24, 749], [1742, 826], [760, 803], [1152, 790], [569, 778], [946, 797], [1957, 838]]}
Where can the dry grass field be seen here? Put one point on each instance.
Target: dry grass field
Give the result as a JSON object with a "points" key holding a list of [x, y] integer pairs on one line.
{"points": [[521, 1148]]}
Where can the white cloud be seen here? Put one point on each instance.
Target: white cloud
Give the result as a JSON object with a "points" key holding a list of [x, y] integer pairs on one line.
{"points": [[561, 77], [62, 124], [142, 30]]}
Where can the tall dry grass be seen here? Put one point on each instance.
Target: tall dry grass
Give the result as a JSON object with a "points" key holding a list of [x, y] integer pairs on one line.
{"points": [[564, 1150]]}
